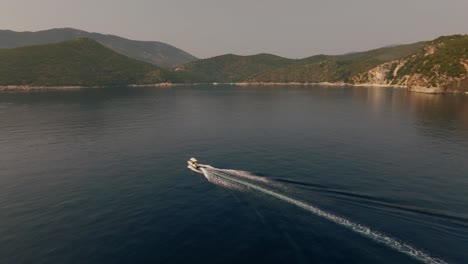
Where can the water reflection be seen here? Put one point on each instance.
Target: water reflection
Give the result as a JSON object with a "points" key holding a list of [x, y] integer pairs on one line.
{"points": [[440, 111], [433, 113]]}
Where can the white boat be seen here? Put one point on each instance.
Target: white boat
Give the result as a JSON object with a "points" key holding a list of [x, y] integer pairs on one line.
{"points": [[193, 165]]}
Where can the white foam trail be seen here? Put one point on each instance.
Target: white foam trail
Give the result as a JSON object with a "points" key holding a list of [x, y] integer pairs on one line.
{"points": [[247, 175], [223, 183], [209, 171]]}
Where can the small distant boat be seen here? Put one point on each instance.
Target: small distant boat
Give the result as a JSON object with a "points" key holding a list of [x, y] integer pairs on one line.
{"points": [[193, 162], [193, 165]]}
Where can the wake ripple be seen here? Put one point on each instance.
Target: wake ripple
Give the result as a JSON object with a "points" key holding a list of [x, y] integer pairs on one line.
{"points": [[219, 176]]}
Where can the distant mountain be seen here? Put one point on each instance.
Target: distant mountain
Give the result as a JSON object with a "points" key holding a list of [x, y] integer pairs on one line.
{"points": [[338, 68], [79, 62], [229, 68], [441, 66], [271, 68], [438, 66], [153, 52]]}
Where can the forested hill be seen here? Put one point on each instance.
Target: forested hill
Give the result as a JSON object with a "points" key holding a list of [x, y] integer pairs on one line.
{"points": [[79, 62], [154, 52]]}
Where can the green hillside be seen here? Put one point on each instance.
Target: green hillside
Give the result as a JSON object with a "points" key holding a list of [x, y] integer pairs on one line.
{"points": [[440, 63], [157, 53], [229, 68], [441, 66], [271, 68], [442, 56], [323, 68], [82, 62]]}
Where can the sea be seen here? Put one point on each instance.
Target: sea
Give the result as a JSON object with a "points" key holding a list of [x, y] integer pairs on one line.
{"points": [[292, 174]]}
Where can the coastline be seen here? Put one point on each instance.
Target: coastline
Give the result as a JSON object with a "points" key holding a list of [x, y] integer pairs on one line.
{"points": [[319, 83], [9, 88], [428, 90]]}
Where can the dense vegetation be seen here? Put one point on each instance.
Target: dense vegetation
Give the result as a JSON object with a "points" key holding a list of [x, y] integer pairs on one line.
{"points": [[82, 62], [338, 68], [229, 68], [85, 62], [446, 58], [153, 52], [270, 68]]}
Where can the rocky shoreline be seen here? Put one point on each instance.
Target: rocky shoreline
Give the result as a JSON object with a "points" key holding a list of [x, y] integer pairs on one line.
{"points": [[427, 90], [315, 84]]}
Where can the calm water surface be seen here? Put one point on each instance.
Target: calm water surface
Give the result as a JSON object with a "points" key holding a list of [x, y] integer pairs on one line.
{"points": [[99, 175]]}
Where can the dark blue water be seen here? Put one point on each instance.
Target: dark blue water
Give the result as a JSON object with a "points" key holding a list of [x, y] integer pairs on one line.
{"points": [[99, 175]]}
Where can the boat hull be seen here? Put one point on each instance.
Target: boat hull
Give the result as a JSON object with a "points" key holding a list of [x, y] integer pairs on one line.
{"points": [[194, 169]]}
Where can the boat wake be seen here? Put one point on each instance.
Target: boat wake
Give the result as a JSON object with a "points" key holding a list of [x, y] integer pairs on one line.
{"points": [[241, 180]]}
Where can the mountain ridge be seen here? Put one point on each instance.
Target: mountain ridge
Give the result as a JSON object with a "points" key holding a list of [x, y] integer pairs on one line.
{"points": [[441, 66], [228, 67], [154, 52], [77, 62], [437, 66], [265, 67]]}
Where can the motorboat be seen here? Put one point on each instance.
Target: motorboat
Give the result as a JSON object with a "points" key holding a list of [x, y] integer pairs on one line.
{"points": [[192, 162], [193, 165]]}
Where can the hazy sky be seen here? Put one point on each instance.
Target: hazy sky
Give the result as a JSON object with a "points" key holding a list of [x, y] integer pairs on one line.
{"points": [[290, 28]]}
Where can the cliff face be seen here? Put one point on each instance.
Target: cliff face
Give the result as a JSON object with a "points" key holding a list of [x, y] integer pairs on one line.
{"points": [[442, 84], [440, 67], [382, 75]]}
